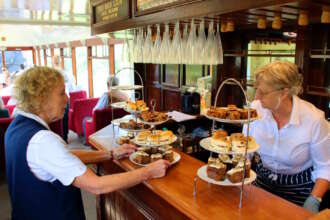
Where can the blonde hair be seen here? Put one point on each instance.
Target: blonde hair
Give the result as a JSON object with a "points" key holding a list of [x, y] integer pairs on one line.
{"points": [[279, 75], [34, 86]]}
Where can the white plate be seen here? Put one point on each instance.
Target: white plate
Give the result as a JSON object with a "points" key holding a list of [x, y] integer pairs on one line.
{"points": [[127, 87], [135, 111], [176, 157], [126, 118], [173, 139], [225, 120], [206, 144], [203, 175], [155, 123], [137, 130], [119, 105]]}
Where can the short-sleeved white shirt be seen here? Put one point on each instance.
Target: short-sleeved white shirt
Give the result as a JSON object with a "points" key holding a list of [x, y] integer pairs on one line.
{"points": [[48, 157]]}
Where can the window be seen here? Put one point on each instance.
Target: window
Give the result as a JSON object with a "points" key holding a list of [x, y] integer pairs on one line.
{"points": [[193, 72], [82, 70], [49, 57], [100, 64], [13, 59], [28, 58], [260, 54], [67, 61], [126, 76], [42, 61]]}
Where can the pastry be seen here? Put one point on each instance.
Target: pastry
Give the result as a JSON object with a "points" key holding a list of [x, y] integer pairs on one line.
{"points": [[142, 137], [165, 136], [247, 167], [236, 159], [212, 160], [221, 144], [168, 155], [142, 157], [239, 143], [233, 115], [155, 157], [219, 133], [164, 148], [235, 175], [231, 107], [216, 171], [124, 140], [225, 159], [153, 138]]}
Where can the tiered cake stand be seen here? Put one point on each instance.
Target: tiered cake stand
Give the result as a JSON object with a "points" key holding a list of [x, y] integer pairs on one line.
{"points": [[206, 144]]}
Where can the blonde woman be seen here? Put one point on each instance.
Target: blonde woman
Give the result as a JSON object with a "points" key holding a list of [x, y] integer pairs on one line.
{"points": [[293, 135], [44, 177]]}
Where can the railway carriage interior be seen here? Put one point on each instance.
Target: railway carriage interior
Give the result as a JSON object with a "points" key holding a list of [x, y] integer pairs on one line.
{"points": [[217, 40]]}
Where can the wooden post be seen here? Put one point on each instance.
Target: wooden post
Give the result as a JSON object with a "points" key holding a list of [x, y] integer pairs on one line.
{"points": [[74, 65], [34, 56], [62, 58], [112, 59], [52, 56], [90, 71], [45, 57]]}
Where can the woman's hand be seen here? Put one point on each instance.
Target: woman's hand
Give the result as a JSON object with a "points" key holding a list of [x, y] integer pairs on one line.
{"points": [[157, 169], [123, 151]]}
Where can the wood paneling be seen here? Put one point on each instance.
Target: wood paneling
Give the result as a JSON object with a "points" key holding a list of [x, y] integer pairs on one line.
{"points": [[154, 93], [171, 99]]}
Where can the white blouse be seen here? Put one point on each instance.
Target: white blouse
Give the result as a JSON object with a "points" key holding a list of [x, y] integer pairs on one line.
{"points": [[48, 157], [303, 142]]}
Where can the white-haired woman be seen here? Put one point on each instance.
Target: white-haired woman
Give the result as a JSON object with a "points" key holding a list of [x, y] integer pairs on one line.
{"points": [[44, 177], [294, 138]]}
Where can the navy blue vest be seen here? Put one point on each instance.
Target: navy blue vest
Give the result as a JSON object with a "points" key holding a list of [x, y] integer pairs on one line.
{"points": [[32, 198]]}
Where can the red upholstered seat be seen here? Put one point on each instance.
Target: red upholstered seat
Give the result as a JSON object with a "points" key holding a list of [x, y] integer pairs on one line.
{"points": [[77, 95], [5, 99], [11, 109], [81, 108], [100, 119], [57, 127], [4, 123]]}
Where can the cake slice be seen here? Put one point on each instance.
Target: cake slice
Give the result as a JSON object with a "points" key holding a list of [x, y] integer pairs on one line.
{"points": [[142, 157], [155, 157], [216, 171], [235, 175]]}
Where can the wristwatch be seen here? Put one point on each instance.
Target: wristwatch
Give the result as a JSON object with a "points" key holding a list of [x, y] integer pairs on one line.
{"points": [[317, 198]]}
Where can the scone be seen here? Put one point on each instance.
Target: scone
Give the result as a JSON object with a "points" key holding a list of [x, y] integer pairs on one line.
{"points": [[221, 144]]}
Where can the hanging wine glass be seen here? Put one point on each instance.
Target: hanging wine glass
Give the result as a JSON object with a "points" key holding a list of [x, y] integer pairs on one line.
{"points": [[191, 43], [147, 46], [219, 46], [183, 48], [200, 44], [156, 47]]}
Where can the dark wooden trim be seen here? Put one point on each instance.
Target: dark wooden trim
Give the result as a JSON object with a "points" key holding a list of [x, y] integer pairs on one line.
{"points": [[45, 56], [52, 55], [111, 49], [39, 56], [196, 9], [62, 58], [90, 72], [74, 64]]}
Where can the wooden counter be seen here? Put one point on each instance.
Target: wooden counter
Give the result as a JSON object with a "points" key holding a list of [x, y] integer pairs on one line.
{"points": [[171, 197]]}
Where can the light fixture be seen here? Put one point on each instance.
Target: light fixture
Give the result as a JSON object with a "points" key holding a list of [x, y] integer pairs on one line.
{"points": [[277, 22], [325, 17], [230, 26], [303, 18], [223, 26], [262, 22]]}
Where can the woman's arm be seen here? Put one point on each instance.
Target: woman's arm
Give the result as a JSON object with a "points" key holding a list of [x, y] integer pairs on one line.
{"points": [[89, 157], [320, 188], [98, 185]]}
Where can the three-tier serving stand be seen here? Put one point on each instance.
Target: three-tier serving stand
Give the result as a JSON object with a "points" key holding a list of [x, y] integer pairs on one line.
{"points": [[232, 81]]}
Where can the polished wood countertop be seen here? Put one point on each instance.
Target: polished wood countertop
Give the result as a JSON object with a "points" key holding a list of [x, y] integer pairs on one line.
{"points": [[211, 201]]}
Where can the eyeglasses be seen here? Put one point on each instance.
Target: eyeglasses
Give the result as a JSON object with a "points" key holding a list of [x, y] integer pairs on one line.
{"points": [[262, 94]]}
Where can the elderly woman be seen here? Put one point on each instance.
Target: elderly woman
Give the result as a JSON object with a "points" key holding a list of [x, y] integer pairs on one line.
{"points": [[44, 177], [117, 95], [294, 138]]}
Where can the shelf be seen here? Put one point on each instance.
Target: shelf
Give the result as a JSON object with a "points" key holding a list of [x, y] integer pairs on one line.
{"points": [[319, 91]]}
